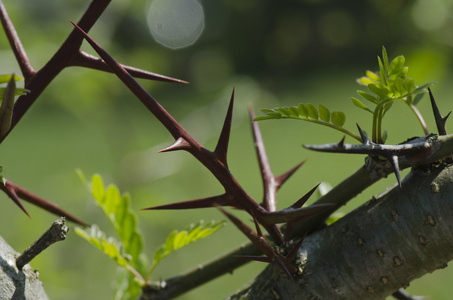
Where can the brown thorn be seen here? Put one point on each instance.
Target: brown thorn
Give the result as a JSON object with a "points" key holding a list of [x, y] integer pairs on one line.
{"points": [[270, 185], [82, 59], [283, 266], [440, 121], [280, 180], [290, 224], [258, 241], [293, 252], [221, 149], [396, 168], [175, 129], [255, 258], [341, 143], [179, 144], [221, 200], [365, 139], [9, 190], [285, 215], [16, 44], [299, 203]]}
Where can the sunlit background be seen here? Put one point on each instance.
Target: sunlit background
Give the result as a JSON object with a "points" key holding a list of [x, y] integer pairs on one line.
{"points": [[274, 53]]}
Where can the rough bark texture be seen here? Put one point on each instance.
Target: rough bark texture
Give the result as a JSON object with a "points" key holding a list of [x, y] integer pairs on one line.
{"points": [[378, 248], [15, 284]]}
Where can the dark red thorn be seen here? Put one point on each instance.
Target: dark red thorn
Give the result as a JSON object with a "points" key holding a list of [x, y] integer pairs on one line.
{"points": [[257, 226], [258, 241], [175, 129], [82, 59], [365, 139], [40, 202], [9, 190], [341, 143], [270, 185], [179, 144], [290, 224], [289, 214], [299, 203], [256, 258], [396, 168], [280, 180], [440, 121], [221, 149], [283, 266], [291, 255], [221, 200]]}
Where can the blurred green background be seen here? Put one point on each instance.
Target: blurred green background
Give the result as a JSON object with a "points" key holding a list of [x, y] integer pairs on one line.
{"points": [[274, 53]]}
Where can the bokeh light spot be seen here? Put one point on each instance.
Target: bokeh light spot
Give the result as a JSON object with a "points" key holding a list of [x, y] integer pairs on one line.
{"points": [[430, 15], [175, 23]]}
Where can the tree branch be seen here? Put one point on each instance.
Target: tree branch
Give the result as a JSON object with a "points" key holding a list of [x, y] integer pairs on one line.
{"points": [[373, 251]]}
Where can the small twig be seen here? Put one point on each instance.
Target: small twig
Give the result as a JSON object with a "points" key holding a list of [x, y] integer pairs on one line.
{"points": [[56, 232]]}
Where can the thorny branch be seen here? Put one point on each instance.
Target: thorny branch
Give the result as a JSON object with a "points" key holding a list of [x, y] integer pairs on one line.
{"points": [[69, 54], [234, 194], [302, 219]]}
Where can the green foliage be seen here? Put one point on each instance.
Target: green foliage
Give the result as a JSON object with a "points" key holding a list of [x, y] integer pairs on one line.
{"points": [[309, 112], [7, 96], [110, 246], [127, 251], [387, 85], [2, 179], [5, 78], [179, 239]]}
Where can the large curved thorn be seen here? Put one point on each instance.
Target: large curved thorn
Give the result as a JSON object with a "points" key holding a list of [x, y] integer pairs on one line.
{"points": [[221, 149], [38, 201], [221, 200], [289, 214], [82, 59]]}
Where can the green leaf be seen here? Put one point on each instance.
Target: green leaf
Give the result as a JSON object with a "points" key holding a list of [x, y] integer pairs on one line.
{"points": [[118, 210], [373, 76], [382, 91], [302, 110], [385, 58], [398, 87], [423, 87], [2, 179], [324, 113], [312, 111], [109, 246], [396, 65], [7, 77], [382, 72], [7, 107], [364, 80], [360, 105], [338, 118], [284, 111], [367, 96], [179, 239], [409, 84], [418, 98]]}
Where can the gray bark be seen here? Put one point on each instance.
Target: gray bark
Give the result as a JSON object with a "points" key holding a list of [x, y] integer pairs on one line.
{"points": [[15, 284], [376, 249]]}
